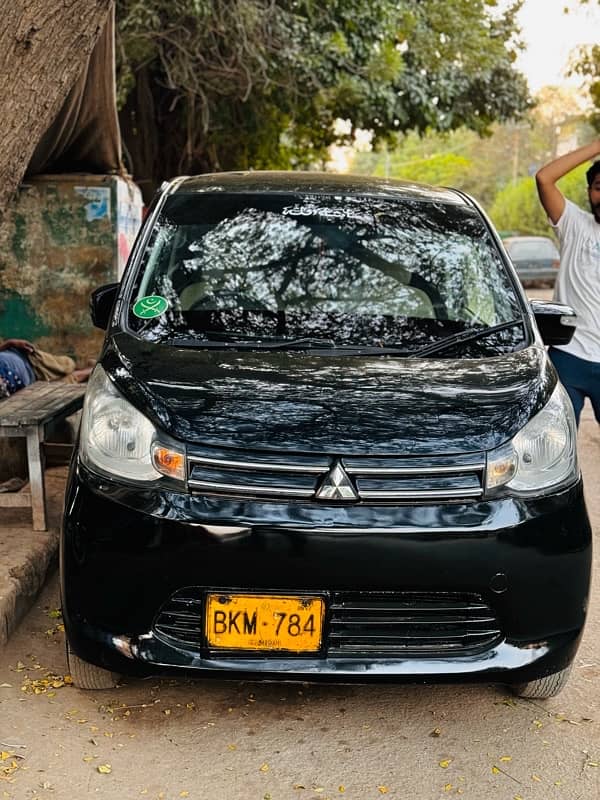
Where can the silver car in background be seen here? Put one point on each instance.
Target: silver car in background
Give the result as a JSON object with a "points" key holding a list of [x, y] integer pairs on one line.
{"points": [[536, 258]]}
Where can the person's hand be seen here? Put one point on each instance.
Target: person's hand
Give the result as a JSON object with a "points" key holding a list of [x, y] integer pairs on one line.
{"points": [[17, 344]]}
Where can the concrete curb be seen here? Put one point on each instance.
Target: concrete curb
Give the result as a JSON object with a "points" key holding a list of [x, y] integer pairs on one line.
{"points": [[29, 557]]}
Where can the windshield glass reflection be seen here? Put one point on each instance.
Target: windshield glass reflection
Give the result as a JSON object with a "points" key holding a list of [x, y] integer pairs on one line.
{"points": [[347, 271]]}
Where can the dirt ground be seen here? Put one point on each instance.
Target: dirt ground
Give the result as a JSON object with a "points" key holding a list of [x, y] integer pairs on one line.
{"points": [[218, 740]]}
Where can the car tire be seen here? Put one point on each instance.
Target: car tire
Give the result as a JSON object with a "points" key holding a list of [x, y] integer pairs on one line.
{"points": [[89, 676], [543, 688]]}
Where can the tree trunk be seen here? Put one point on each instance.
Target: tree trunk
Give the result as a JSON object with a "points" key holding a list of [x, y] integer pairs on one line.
{"points": [[44, 45]]}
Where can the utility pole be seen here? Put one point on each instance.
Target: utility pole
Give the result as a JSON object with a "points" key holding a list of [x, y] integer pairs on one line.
{"points": [[515, 160]]}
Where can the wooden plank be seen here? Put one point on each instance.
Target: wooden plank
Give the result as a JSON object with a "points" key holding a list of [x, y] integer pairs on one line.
{"points": [[53, 397], [40, 402], [35, 463], [15, 500], [25, 398], [46, 398], [26, 413]]}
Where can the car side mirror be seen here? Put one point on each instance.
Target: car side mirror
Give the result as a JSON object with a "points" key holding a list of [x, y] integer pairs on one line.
{"points": [[556, 322], [102, 301]]}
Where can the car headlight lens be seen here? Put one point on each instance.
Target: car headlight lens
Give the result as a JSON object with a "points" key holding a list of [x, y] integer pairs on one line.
{"points": [[118, 439], [543, 454]]}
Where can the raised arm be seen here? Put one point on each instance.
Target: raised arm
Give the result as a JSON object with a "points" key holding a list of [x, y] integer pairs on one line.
{"points": [[550, 195]]}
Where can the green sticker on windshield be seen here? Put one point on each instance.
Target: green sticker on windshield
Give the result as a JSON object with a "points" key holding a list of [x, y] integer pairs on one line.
{"points": [[153, 305]]}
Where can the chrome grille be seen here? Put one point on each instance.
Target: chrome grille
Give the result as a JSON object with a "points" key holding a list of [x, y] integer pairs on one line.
{"points": [[280, 476], [368, 624]]}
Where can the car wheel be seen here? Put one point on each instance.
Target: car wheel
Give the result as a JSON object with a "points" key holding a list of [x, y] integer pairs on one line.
{"points": [[543, 688], [89, 676]]}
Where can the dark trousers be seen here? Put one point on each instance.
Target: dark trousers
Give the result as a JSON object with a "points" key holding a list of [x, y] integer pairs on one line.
{"points": [[581, 379]]}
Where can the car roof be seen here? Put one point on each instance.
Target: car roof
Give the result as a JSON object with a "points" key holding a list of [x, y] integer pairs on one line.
{"points": [[297, 182], [510, 239]]}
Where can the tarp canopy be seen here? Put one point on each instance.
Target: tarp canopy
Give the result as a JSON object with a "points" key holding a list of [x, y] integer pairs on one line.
{"points": [[85, 135]]}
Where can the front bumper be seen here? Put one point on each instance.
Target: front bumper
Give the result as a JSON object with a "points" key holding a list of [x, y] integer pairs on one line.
{"points": [[125, 553]]}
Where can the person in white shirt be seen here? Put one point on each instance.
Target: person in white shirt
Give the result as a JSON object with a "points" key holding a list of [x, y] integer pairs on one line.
{"points": [[578, 280]]}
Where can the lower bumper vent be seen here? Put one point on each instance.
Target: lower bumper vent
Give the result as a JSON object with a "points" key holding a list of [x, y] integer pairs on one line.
{"points": [[367, 624], [409, 624]]}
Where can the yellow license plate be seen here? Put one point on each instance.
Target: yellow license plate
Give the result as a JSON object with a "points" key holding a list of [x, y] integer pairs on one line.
{"points": [[264, 622]]}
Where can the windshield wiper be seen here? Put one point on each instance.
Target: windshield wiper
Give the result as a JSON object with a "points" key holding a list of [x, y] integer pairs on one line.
{"points": [[240, 341], [298, 344], [463, 337]]}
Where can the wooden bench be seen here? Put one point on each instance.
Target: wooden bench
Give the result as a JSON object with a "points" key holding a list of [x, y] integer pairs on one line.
{"points": [[30, 413]]}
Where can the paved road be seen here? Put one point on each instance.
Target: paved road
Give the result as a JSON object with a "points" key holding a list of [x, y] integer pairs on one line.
{"points": [[207, 740]]}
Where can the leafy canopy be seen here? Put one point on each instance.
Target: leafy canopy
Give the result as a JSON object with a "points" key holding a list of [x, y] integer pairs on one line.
{"points": [[227, 84]]}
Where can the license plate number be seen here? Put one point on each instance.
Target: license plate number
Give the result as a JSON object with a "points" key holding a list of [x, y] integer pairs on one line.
{"points": [[264, 622]]}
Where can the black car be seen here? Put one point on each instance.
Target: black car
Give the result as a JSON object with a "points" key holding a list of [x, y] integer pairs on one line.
{"points": [[536, 258], [324, 442]]}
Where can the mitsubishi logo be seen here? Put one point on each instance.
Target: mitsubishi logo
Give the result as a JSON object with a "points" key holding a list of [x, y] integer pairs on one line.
{"points": [[337, 485]]}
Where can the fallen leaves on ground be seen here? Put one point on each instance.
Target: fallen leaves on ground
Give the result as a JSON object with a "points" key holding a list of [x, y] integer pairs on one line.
{"points": [[8, 765], [47, 684]]}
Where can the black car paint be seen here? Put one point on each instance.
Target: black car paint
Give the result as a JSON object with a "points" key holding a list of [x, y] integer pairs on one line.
{"points": [[139, 544], [354, 405], [123, 541]]}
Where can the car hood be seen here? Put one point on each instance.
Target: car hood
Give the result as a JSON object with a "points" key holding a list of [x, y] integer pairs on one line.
{"points": [[344, 405]]}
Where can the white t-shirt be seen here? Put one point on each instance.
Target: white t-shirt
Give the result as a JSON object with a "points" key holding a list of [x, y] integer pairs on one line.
{"points": [[578, 280]]}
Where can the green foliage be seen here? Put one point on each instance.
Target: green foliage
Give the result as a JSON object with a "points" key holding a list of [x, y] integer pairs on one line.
{"points": [[587, 64], [517, 206], [441, 169], [225, 84], [462, 159], [484, 166]]}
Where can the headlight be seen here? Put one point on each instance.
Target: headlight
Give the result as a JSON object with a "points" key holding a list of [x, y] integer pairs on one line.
{"points": [[118, 439], [543, 454]]}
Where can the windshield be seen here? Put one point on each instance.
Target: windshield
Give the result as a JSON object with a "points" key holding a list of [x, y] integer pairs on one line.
{"points": [[321, 271]]}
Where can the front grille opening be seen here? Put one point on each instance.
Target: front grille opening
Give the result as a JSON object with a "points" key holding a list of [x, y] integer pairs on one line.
{"points": [[395, 625], [290, 476], [410, 624]]}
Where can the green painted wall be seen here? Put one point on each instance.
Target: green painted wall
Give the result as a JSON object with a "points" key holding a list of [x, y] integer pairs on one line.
{"points": [[58, 242]]}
